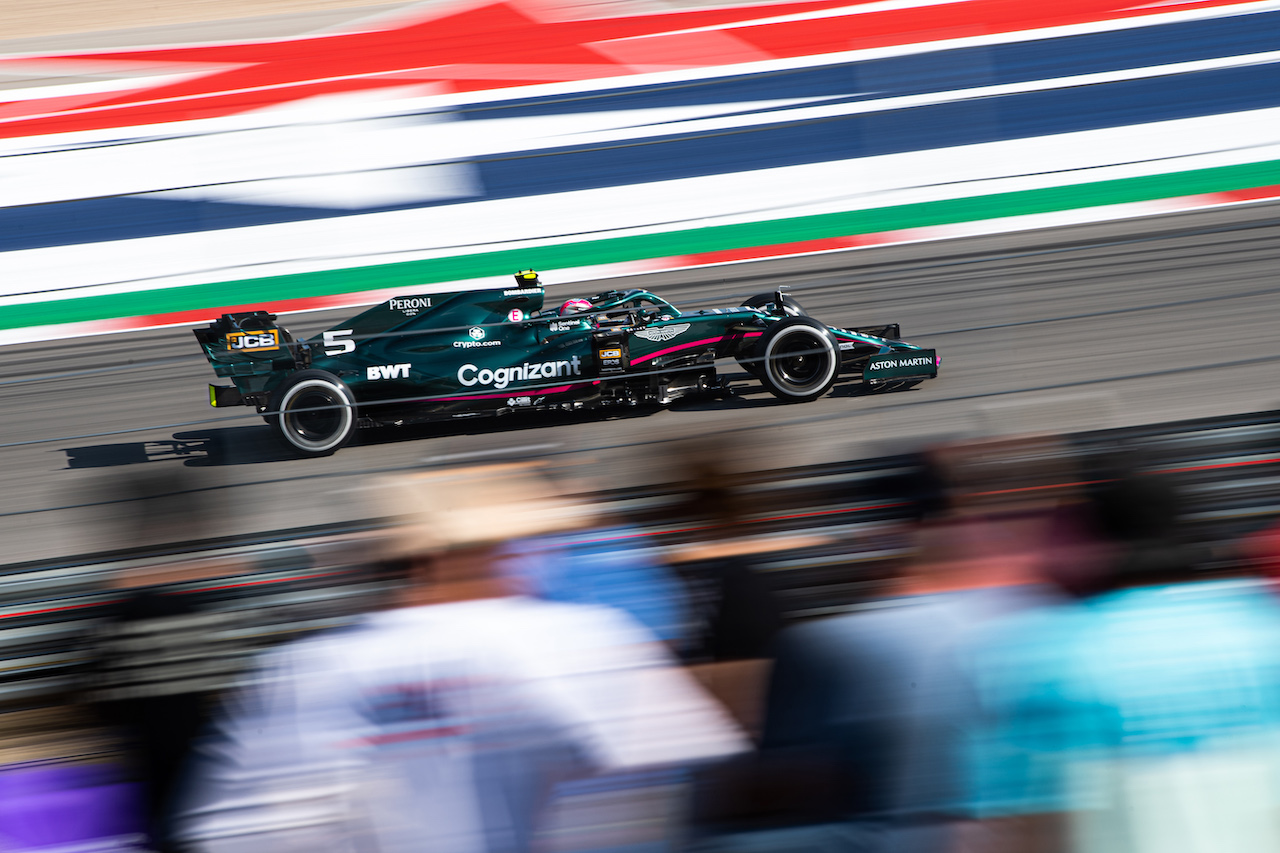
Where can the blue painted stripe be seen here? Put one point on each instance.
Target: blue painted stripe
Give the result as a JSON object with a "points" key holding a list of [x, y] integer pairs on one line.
{"points": [[649, 157], [935, 71]]}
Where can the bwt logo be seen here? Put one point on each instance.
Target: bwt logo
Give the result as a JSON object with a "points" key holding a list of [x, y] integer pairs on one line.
{"points": [[388, 371]]}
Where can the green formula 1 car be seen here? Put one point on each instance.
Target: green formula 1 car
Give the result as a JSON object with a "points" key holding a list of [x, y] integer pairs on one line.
{"points": [[418, 358]]}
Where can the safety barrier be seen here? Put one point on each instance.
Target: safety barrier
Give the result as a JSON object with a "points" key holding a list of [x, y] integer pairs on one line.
{"points": [[821, 535]]}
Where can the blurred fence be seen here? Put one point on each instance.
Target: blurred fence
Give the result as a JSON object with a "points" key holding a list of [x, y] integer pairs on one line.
{"points": [[253, 592]]}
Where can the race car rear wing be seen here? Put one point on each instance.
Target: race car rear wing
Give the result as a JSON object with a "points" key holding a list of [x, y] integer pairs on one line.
{"points": [[250, 349]]}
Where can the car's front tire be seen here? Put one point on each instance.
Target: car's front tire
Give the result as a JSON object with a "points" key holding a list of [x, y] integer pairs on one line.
{"points": [[313, 412], [791, 307], [798, 359]]}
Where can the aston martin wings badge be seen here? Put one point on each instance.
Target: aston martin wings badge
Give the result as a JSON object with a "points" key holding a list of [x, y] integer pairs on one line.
{"points": [[658, 334]]}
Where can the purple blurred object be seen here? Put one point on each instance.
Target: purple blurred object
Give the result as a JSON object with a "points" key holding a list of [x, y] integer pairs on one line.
{"points": [[83, 807]]}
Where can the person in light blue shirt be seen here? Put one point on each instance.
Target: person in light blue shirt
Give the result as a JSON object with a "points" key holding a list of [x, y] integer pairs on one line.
{"points": [[609, 565], [1145, 717]]}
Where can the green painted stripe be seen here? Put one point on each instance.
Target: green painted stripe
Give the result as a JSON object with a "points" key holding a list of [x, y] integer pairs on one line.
{"points": [[407, 275]]}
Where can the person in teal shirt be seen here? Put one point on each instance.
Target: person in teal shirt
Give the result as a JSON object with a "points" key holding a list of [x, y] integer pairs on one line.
{"points": [[1144, 717]]}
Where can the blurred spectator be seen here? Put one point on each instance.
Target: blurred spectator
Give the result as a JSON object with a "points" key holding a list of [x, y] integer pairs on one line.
{"points": [[1261, 549], [864, 709], [59, 788], [1145, 717], [605, 562], [442, 722], [146, 646], [736, 614], [153, 666]]}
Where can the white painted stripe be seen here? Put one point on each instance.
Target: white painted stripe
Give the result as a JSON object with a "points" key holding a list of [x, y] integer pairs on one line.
{"points": [[479, 138], [195, 99], [522, 449], [1106, 25], [595, 273], [37, 275], [346, 164], [96, 87], [816, 15], [325, 144], [840, 57], [1035, 221]]}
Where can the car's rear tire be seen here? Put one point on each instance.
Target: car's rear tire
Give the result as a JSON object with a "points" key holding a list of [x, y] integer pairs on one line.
{"points": [[313, 412], [790, 304], [798, 359]]}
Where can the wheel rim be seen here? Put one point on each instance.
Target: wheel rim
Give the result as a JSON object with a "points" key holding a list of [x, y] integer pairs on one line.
{"points": [[315, 416], [800, 362]]}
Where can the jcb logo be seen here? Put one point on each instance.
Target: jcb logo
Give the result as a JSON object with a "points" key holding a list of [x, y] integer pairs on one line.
{"points": [[388, 371], [611, 353], [251, 341]]}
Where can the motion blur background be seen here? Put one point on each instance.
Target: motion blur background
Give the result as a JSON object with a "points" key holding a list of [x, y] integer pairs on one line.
{"points": [[1071, 203]]}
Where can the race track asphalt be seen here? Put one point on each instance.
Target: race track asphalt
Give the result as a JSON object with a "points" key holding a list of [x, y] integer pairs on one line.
{"points": [[1063, 329]]}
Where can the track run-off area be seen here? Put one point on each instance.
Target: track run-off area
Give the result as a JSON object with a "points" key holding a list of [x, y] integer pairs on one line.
{"points": [[442, 145]]}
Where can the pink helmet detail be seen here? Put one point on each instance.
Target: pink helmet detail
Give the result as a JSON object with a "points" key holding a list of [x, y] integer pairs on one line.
{"points": [[575, 306]]}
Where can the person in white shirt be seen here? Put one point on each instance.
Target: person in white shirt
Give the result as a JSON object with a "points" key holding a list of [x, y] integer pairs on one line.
{"points": [[441, 723]]}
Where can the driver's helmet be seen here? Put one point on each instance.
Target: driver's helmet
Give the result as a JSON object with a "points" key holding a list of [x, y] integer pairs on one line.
{"points": [[575, 306], [528, 278]]}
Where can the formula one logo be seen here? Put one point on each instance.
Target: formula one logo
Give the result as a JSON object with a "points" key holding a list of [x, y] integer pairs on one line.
{"points": [[253, 341], [470, 374], [387, 371], [658, 334]]}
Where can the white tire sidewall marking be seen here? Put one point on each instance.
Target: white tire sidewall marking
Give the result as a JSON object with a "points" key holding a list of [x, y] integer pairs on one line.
{"points": [[781, 384], [348, 415]]}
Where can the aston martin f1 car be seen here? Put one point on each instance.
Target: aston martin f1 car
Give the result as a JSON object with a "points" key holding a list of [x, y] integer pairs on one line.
{"points": [[418, 358]]}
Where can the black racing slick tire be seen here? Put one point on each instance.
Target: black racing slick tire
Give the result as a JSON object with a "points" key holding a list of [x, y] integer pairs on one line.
{"points": [[789, 304], [798, 359], [313, 412], [749, 364], [748, 360]]}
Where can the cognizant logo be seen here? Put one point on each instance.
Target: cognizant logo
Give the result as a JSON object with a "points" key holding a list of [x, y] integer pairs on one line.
{"points": [[470, 374]]}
